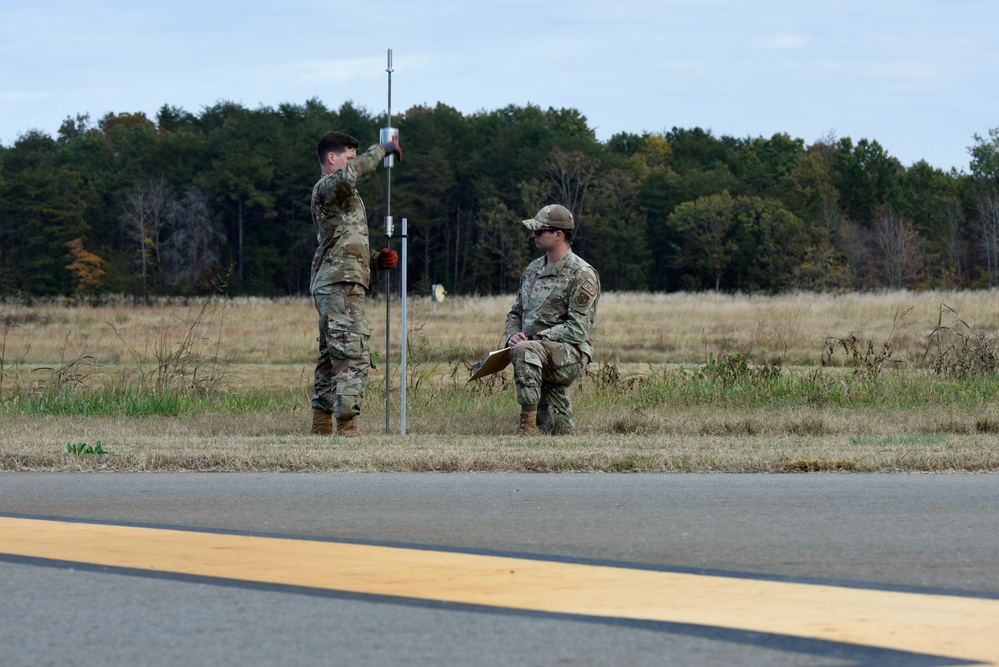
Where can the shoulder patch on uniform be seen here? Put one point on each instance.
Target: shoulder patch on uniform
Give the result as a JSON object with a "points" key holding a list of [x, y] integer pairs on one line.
{"points": [[587, 291]]}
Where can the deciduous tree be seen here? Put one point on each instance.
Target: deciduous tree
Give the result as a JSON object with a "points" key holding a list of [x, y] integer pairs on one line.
{"points": [[897, 245]]}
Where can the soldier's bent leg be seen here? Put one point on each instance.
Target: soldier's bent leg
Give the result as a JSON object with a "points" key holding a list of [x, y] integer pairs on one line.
{"points": [[555, 410], [527, 365], [561, 370]]}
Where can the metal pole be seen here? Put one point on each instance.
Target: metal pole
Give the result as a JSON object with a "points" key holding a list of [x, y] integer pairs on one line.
{"points": [[388, 238], [402, 354]]}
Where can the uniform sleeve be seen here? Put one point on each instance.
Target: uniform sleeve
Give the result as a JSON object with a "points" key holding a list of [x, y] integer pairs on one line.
{"points": [[340, 185]]}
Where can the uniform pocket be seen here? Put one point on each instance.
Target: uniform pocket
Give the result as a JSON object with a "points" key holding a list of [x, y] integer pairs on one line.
{"points": [[348, 343]]}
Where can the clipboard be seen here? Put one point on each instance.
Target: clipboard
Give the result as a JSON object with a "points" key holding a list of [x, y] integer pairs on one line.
{"points": [[495, 362]]}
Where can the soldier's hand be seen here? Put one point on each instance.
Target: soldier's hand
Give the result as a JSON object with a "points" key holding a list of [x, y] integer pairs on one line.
{"points": [[518, 337], [387, 259], [393, 148]]}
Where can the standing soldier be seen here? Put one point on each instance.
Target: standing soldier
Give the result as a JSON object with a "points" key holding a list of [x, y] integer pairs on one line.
{"points": [[550, 325], [341, 276]]}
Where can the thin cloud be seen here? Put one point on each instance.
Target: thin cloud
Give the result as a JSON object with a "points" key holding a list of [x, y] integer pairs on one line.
{"points": [[18, 96], [781, 42]]}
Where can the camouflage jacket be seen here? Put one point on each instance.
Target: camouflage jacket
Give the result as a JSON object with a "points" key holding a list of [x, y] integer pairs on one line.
{"points": [[557, 303], [343, 255]]}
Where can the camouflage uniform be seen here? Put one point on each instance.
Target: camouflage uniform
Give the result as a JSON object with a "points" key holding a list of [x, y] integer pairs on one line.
{"points": [[341, 276], [555, 307]]}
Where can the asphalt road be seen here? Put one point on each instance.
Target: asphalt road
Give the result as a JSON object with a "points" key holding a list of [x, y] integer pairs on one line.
{"points": [[929, 537]]}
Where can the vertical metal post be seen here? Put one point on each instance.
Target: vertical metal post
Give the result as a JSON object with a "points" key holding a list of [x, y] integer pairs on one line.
{"points": [[388, 237], [405, 340]]}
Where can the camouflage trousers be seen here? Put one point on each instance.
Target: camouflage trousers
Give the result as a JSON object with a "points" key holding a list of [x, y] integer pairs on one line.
{"points": [[344, 360], [543, 371]]}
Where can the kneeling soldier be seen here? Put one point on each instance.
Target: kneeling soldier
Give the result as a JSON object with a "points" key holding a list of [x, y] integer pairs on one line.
{"points": [[550, 325]]}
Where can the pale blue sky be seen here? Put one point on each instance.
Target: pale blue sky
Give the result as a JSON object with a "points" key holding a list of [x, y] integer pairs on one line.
{"points": [[918, 76]]}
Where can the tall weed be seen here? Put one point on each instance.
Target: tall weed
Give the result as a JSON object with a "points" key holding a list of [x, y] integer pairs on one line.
{"points": [[955, 349]]}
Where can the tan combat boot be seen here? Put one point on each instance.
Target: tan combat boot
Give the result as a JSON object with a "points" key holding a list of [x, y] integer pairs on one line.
{"points": [[528, 424], [322, 422], [345, 426]]}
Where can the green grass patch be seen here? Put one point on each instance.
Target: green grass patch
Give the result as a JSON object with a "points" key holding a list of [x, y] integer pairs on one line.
{"points": [[82, 448], [144, 402]]}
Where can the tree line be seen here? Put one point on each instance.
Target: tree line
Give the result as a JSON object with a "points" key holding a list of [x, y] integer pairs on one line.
{"points": [[183, 203]]}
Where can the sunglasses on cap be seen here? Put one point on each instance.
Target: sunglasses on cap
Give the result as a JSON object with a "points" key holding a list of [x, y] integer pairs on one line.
{"points": [[539, 232]]}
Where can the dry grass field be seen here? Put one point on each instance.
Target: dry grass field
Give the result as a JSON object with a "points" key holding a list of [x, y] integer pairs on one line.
{"points": [[632, 328], [680, 382]]}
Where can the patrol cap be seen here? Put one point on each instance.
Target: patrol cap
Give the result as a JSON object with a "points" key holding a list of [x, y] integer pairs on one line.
{"points": [[553, 215]]}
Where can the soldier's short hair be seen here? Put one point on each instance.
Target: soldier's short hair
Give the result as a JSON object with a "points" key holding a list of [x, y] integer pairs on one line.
{"points": [[336, 142]]}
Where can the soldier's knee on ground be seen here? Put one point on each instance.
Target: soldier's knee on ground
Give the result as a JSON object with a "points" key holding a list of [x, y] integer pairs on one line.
{"points": [[554, 422], [545, 419], [562, 425]]}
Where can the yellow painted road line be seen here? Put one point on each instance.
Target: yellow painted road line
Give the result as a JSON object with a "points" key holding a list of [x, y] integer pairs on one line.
{"points": [[945, 625]]}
